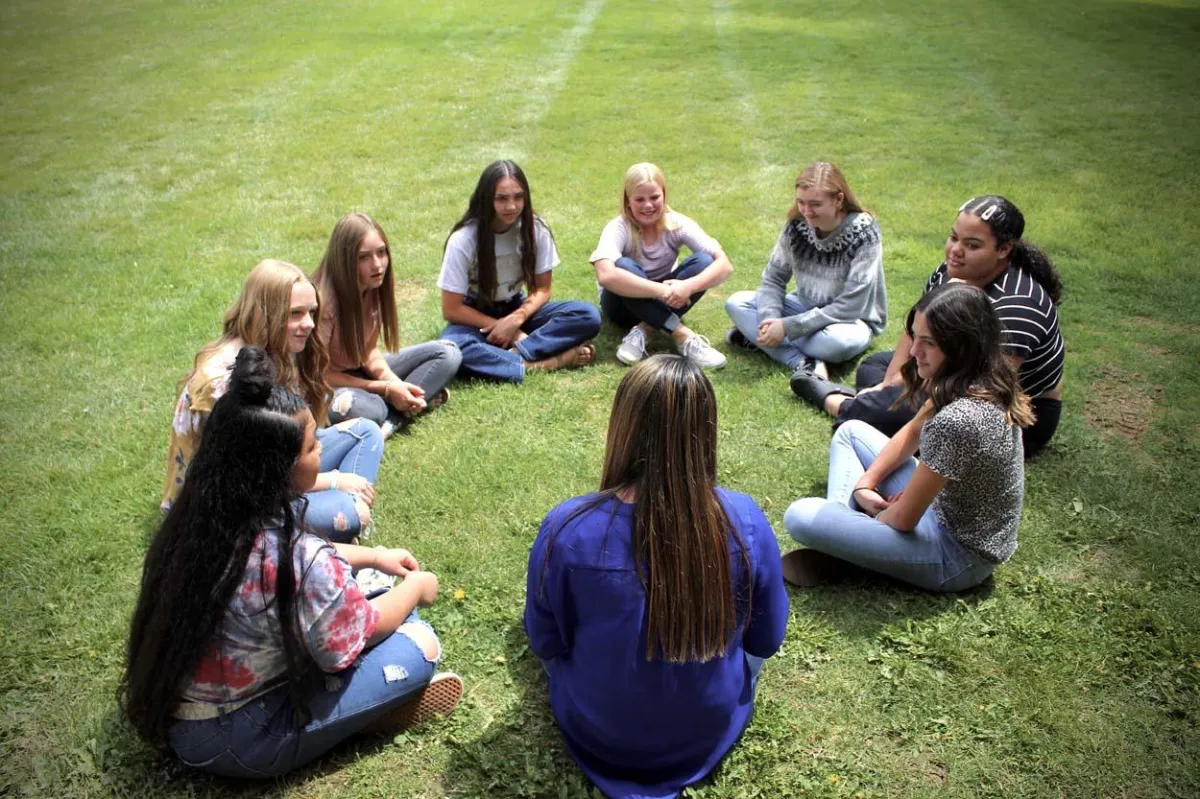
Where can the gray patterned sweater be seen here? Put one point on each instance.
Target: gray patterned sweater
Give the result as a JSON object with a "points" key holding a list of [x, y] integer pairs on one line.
{"points": [[838, 278]]}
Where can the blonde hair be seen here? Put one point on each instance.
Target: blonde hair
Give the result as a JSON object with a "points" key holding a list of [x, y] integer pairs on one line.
{"points": [[635, 176], [337, 276], [259, 317], [827, 177]]}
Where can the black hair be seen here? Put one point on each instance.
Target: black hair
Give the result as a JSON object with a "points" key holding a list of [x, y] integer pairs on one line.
{"points": [[238, 484], [1007, 224], [965, 327], [482, 211]]}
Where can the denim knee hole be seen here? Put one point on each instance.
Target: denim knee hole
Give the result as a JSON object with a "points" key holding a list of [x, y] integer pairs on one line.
{"points": [[424, 637]]}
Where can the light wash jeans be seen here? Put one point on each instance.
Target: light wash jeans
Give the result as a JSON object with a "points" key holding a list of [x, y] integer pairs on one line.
{"points": [[556, 327], [354, 446], [929, 557], [834, 343], [430, 365], [265, 737]]}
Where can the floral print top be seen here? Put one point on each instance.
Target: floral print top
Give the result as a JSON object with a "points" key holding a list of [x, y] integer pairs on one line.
{"points": [[246, 656], [208, 382]]}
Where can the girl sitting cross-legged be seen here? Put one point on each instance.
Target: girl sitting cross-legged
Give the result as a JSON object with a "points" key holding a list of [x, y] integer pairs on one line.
{"points": [[944, 522], [644, 286], [495, 282], [834, 251], [277, 310], [358, 307], [252, 650], [653, 602]]}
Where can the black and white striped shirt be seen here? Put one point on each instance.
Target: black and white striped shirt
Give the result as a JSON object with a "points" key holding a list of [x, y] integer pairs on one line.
{"points": [[1029, 326]]}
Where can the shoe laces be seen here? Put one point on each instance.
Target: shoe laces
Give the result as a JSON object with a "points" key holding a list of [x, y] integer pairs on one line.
{"points": [[695, 345], [635, 338]]}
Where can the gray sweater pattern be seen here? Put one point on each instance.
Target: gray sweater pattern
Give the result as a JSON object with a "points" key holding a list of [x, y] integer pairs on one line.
{"points": [[838, 278]]}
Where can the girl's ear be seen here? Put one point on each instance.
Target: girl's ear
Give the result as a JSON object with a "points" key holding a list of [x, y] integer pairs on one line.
{"points": [[1005, 250], [841, 199]]}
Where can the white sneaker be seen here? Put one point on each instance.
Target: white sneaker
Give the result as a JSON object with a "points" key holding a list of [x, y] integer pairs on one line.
{"points": [[699, 351], [633, 347]]}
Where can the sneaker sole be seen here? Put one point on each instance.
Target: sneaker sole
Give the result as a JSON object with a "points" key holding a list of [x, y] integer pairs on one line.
{"points": [[436, 700], [629, 361]]}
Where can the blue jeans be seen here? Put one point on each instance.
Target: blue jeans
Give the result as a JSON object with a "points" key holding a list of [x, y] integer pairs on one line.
{"points": [[929, 557], [557, 326], [266, 738], [430, 365], [834, 343], [354, 446], [626, 311]]}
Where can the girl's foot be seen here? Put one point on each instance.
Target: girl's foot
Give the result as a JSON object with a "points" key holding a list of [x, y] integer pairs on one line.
{"points": [[438, 400], [805, 568], [699, 351], [436, 700], [578, 356], [633, 346]]}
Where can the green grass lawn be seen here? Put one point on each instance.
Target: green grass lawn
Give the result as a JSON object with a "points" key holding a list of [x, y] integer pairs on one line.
{"points": [[153, 152]]}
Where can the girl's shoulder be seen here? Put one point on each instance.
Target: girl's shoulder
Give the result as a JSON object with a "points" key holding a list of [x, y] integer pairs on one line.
{"points": [[465, 237], [210, 379]]}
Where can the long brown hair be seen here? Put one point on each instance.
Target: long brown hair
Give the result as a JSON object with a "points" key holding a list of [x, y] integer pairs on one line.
{"points": [[964, 324], [827, 177], [337, 277], [662, 446], [259, 317], [481, 210]]}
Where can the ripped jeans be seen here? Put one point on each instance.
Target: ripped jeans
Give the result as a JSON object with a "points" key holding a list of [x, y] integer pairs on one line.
{"points": [[265, 737], [354, 446]]}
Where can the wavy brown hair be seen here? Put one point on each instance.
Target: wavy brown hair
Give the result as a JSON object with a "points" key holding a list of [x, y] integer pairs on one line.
{"points": [[337, 277], [259, 317], [964, 324], [662, 448]]}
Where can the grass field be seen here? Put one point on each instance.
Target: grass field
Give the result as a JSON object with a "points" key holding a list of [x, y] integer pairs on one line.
{"points": [[152, 152]]}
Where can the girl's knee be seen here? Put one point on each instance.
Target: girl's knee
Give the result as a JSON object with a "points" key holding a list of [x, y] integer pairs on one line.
{"points": [[343, 400], [425, 639], [740, 300], [800, 516], [364, 512]]}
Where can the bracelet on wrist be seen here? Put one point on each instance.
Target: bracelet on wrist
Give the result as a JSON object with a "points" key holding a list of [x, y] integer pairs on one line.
{"points": [[333, 478], [864, 488]]}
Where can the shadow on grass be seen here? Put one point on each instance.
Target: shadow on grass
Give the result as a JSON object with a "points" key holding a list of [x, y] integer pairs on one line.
{"points": [[864, 606], [520, 753]]}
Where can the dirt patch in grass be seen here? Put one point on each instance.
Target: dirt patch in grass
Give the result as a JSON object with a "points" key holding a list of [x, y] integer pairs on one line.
{"points": [[1121, 403], [410, 292]]}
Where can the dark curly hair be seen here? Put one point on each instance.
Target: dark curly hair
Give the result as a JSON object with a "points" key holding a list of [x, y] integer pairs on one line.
{"points": [[1007, 224], [238, 484]]}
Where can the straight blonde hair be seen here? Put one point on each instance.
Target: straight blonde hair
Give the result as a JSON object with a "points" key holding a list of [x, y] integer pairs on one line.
{"points": [[827, 177], [635, 176]]}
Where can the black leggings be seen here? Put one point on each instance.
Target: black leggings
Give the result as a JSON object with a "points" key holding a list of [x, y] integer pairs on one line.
{"points": [[875, 407]]}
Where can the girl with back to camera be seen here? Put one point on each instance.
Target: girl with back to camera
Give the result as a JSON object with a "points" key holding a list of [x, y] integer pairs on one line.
{"points": [[496, 283], [985, 249], [834, 251], [358, 299], [944, 522], [644, 287], [252, 650], [277, 310], [653, 602]]}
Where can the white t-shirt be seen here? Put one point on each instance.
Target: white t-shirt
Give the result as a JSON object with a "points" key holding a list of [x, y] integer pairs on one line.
{"points": [[659, 260], [461, 276]]}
